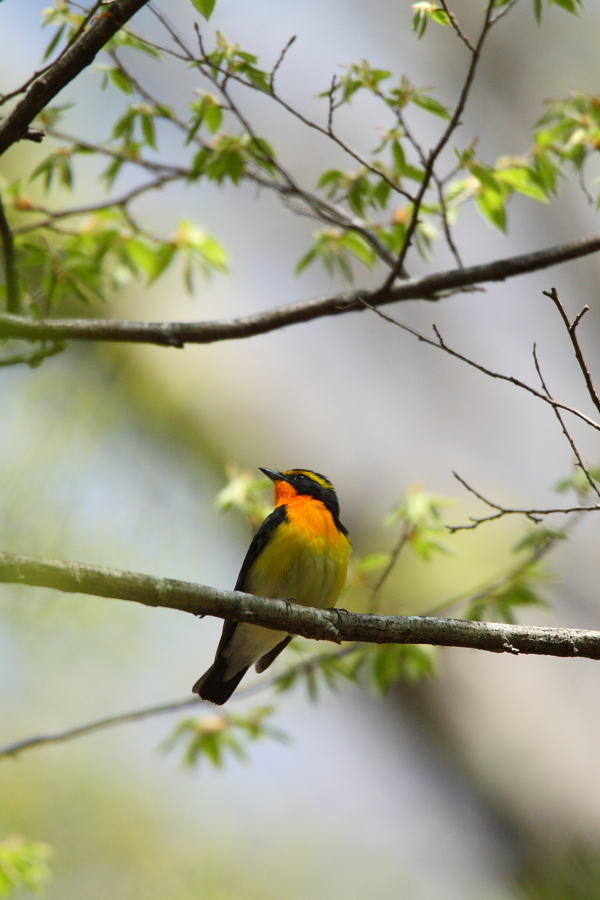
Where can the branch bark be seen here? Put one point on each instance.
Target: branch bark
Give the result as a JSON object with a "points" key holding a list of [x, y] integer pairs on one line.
{"points": [[281, 615], [177, 334], [83, 52]]}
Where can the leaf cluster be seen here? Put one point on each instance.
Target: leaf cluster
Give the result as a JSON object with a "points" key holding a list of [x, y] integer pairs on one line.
{"points": [[421, 513], [23, 865], [367, 213], [246, 494], [214, 737]]}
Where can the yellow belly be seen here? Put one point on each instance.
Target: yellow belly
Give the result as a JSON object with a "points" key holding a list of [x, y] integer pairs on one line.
{"points": [[306, 561]]}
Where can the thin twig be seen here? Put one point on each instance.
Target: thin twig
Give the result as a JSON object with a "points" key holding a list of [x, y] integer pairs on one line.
{"points": [[553, 294], [280, 61], [505, 9], [440, 344], [467, 598], [34, 357], [456, 26], [565, 430], [229, 75], [287, 187], [535, 515], [59, 737], [446, 223], [323, 211], [435, 152], [122, 201], [400, 544], [10, 751]]}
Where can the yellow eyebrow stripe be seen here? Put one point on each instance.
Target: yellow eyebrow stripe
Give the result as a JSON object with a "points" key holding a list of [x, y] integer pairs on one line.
{"points": [[313, 477]]}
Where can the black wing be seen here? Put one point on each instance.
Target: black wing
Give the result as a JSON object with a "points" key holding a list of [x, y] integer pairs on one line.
{"points": [[212, 686], [257, 545], [259, 542]]}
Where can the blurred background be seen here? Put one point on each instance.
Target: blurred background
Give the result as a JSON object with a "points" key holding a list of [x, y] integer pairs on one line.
{"points": [[483, 783]]}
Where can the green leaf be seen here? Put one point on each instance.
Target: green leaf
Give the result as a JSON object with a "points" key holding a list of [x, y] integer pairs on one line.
{"points": [[147, 124], [425, 10], [371, 562], [401, 662], [199, 247], [163, 257], [524, 181], [429, 104], [330, 177], [403, 167], [204, 7], [120, 81], [578, 481], [23, 865], [112, 170], [539, 537], [54, 42], [358, 247], [213, 116], [491, 205], [124, 38], [546, 171], [499, 603], [142, 256], [213, 736], [305, 260], [421, 513], [568, 5]]}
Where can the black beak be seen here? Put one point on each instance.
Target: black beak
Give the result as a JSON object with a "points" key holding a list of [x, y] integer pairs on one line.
{"points": [[272, 474]]}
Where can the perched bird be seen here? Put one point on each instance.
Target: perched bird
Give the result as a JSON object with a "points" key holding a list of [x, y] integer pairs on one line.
{"points": [[299, 553]]}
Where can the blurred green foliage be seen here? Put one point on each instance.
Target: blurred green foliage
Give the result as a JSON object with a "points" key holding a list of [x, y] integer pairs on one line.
{"points": [[561, 873], [23, 864]]}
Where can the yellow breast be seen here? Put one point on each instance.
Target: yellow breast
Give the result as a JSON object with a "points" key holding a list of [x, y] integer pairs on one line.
{"points": [[306, 559]]}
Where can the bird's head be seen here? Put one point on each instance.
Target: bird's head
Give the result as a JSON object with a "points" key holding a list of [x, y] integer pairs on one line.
{"points": [[305, 483]]}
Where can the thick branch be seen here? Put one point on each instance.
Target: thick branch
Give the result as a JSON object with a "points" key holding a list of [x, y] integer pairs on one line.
{"points": [[176, 334], [329, 625], [83, 52]]}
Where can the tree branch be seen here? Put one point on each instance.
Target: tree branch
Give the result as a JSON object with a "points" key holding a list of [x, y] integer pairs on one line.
{"points": [[328, 625], [177, 334], [83, 52], [571, 329], [594, 487], [11, 275], [10, 751], [436, 151], [33, 357], [59, 737]]}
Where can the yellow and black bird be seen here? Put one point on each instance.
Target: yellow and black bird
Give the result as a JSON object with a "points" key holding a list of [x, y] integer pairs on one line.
{"points": [[300, 553]]}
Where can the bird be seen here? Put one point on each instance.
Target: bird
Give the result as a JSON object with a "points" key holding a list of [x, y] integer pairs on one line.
{"points": [[300, 552]]}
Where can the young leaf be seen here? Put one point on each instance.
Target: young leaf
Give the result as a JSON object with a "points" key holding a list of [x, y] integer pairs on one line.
{"points": [[213, 736], [204, 7], [120, 80], [429, 104], [245, 493]]}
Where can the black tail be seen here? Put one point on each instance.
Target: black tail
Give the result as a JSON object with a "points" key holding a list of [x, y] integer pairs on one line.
{"points": [[212, 686]]}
